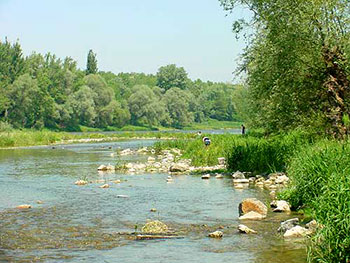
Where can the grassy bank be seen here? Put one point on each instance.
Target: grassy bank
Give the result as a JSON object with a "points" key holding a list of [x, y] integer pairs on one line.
{"points": [[16, 138]]}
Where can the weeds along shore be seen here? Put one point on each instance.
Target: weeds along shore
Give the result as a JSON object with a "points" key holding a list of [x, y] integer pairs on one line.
{"points": [[319, 170]]}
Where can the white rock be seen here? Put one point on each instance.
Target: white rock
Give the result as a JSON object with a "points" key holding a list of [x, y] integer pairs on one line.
{"points": [[104, 186], [246, 230], [241, 181], [219, 176], [216, 234], [297, 231], [280, 206], [206, 176], [282, 179], [252, 216], [81, 182], [151, 159], [238, 175]]}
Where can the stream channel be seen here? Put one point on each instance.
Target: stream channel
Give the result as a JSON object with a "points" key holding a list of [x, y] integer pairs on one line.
{"points": [[83, 223]]}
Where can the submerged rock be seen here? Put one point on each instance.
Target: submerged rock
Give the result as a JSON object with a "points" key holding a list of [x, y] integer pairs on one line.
{"points": [[23, 206], [81, 182], [216, 234], [104, 186], [246, 230], [252, 205], [155, 227], [219, 176], [153, 210], [288, 224], [252, 216]]}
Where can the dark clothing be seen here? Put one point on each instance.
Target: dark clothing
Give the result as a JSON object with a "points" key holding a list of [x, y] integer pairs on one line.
{"points": [[243, 129], [206, 141]]}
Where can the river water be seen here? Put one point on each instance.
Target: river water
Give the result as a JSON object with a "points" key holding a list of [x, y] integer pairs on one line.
{"points": [[81, 223]]}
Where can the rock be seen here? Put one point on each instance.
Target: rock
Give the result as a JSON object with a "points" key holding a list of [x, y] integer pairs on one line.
{"points": [[252, 204], [260, 184], [297, 231], [23, 206], [273, 194], [272, 187], [238, 186], [288, 224], [102, 168], [39, 202], [252, 216], [143, 150], [81, 182], [246, 230], [280, 206], [219, 176], [132, 170], [312, 226], [155, 227], [169, 180], [206, 176], [179, 167], [153, 210], [252, 179], [238, 175], [248, 174], [282, 179], [126, 152], [176, 151], [117, 181], [110, 167], [221, 160], [104, 186], [240, 181], [216, 234], [151, 159], [122, 196]]}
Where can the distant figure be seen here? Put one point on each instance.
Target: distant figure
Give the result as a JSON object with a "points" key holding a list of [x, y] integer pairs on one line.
{"points": [[206, 141], [243, 129]]}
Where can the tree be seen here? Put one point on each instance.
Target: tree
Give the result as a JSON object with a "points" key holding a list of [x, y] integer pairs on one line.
{"points": [[91, 66], [177, 102], [171, 76], [145, 107], [297, 64]]}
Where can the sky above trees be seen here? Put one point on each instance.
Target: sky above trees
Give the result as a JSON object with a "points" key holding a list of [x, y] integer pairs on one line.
{"points": [[129, 35]]}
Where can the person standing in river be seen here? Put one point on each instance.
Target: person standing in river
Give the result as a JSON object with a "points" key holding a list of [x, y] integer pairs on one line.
{"points": [[243, 129]]}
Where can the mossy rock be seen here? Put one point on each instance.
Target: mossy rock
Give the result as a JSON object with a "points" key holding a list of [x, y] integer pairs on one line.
{"points": [[155, 227]]}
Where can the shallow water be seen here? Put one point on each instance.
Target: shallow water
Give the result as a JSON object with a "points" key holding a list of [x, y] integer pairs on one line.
{"points": [[82, 223]]}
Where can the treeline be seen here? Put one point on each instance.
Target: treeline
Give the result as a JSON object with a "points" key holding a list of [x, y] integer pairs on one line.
{"points": [[40, 91], [297, 64]]}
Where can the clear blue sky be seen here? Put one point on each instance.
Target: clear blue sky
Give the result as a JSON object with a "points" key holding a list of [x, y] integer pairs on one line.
{"points": [[128, 35]]}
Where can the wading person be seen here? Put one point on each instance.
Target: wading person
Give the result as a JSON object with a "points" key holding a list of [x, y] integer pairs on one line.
{"points": [[206, 141]]}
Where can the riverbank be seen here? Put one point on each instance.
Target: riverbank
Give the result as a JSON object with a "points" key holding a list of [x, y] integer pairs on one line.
{"points": [[319, 172]]}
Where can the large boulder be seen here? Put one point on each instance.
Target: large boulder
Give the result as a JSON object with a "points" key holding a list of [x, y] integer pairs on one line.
{"points": [[252, 205], [179, 167], [288, 224]]}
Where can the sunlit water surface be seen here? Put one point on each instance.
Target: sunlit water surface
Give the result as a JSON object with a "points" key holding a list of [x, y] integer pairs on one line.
{"points": [[83, 223]]}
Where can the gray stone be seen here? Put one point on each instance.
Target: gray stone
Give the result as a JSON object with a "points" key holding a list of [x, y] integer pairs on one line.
{"points": [[288, 224]]}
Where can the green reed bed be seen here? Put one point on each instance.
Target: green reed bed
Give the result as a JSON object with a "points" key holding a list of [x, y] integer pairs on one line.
{"points": [[320, 177]]}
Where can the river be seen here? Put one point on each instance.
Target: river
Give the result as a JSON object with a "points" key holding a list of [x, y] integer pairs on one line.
{"points": [[81, 223]]}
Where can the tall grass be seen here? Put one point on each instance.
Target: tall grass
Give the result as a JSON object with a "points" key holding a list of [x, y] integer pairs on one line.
{"points": [[321, 182], [264, 155]]}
